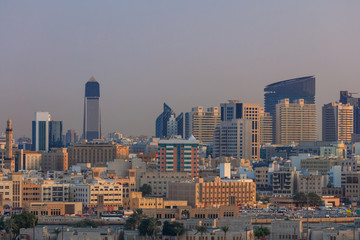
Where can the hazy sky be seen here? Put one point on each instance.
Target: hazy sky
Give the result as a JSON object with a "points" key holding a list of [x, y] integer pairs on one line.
{"points": [[184, 53]]}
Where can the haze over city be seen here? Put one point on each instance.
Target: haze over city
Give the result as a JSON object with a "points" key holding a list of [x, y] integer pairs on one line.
{"points": [[184, 53]]}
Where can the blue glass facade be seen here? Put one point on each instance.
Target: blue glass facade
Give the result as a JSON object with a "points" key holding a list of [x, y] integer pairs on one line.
{"points": [[161, 122], [92, 117], [293, 89], [41, 135], [55, 134]]}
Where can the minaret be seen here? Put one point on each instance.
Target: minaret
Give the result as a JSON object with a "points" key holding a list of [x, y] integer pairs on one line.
{"points": [[9, 140]]}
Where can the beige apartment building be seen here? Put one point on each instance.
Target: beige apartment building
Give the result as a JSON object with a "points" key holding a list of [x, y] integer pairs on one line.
{"points": [[318, 163], [350, 181], [55, 208], [337, 122], [32, 160], [217, 193], [313, 183], [158, 181], [111, 192], [266, 127], [55, 160], [285, 181], [295, 122], [287, 229], [55, 192], [234, 109], [98, 154], [11, 190], [201, 124], [136, 200], [262, 177], [31, 192]]}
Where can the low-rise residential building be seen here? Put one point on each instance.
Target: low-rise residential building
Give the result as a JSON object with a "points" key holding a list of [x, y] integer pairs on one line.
{"points": [[285, 181], [286, 229], [136, 200], [313, 183], [321, 164], [158, 181], [32, 160], [55, 192], [98, 154], [31, 193], [110, 192], [350, 181], [55, 208], [216, 193], [55, 160], [262, 178], [11, 189]]}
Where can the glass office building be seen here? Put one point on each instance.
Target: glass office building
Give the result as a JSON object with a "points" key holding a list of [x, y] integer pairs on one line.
{"points": [[162, 121], [292, 89], [92, 117]]}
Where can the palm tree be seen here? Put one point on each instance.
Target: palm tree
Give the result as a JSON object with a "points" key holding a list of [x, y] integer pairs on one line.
{"points": [[57, 231], [148, 227], [138, 215], [10, 226], [153, 226], [225, 229], [178, 229], [201, 229]]}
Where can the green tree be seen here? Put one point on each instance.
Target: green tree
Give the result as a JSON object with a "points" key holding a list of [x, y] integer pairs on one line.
{"points": [[300, 197], [314, 199], [225, 229], [23, 220], [148, 227], [134, 220], [145, 189], [202, 230], [130, 223], [10, 227], [138, 216], [173, 229], [2, 223], [262, 232], [86, 223]]}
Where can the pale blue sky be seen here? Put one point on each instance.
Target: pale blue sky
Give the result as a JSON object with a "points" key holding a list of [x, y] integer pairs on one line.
{"points": [[186, 53]]}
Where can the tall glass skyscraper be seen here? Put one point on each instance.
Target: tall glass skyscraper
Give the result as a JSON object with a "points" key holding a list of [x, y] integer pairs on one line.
{"points": [[55, 134], [40, 132], [162, 121], [92, 118], [292, 89]]}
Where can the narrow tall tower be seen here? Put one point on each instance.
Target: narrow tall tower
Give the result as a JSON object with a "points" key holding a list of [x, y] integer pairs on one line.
{"points": [[92, 118], [9, 161], [9, 140]]}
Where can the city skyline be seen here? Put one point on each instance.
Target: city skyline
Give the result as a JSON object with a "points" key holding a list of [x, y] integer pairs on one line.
{"points": [[147, 63]]}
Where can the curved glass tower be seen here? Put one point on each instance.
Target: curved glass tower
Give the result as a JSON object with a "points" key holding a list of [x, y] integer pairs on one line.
{"points": [[293, 89], [161, 122], [92, 118]]}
